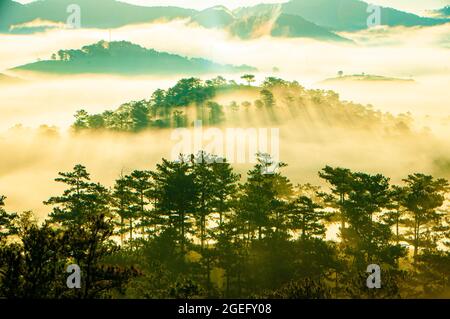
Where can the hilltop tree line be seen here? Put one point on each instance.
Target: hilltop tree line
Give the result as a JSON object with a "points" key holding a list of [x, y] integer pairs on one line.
{"points": [[194, 228], [275, 99]]}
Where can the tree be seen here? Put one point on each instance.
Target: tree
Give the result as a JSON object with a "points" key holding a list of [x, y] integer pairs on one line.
{"points": [[81, 120], [140, 190], [81, 199], [250, 78], [204, 181], [267, 98], [209, 236], [216, 115], [179, 119], [159, 104], [305, 216], [139, 116], [424, 195], [122, 206], [396, 211], [96, 122], [89, 245], [262, 199], [189, 91], [217, 82], [36, 266], [175, 196], [225, 188], [368, 199], [271, 82], [33, 268], [339, 179], [6, 220]]}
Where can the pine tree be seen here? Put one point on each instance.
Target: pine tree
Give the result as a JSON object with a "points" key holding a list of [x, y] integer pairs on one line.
{"points": [[140, 189], [122, 207], [263, 196], [204, 184], [306, 217], [82, 199], [176, 196], [339, 180], [424, 195]]}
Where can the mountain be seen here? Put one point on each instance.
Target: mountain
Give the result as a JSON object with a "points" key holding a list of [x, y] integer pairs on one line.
{"points": [[215, 17], [95, 14], [296, 18], [241, 22], [351, 15], [294, 26], [125, 58], [270, 20]]}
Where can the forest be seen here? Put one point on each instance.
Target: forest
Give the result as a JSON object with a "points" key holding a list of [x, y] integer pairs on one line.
{"points": [[193, 228], [219, 101]]}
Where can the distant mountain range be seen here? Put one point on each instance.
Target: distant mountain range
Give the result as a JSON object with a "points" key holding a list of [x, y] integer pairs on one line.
{"points": [[126, 58], [318, 19], [351, 15]]}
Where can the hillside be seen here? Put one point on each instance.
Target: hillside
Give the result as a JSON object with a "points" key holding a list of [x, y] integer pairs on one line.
{"points": [[269, 20], [119, 13], [125, 58], [215, 17], [351, 15], [218, 102]]}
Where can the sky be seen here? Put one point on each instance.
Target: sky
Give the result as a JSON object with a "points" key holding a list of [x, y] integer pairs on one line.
{"points": [[416, 6]]}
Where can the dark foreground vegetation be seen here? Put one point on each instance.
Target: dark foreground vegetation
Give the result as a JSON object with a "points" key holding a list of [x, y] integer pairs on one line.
{"points": [[194, 229]]}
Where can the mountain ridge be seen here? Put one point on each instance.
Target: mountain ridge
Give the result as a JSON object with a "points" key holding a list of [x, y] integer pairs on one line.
{"points": [[323, 16]]}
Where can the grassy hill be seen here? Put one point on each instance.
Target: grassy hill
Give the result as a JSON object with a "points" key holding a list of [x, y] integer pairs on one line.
{"points": [[126, 58]]}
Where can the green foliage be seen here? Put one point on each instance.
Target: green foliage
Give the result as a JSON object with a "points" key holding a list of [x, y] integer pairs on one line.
{"points": [[80, 201], [6, 220], [276, 100], [422, 197], [196, 231], [35, 268], [250, 78]]}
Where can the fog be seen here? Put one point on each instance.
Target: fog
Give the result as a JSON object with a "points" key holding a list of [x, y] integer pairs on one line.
{"points": [[31, 157]]}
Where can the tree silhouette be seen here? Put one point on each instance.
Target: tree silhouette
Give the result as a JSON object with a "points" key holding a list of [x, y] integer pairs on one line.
{"points": [[197, 231], [250, 78]]}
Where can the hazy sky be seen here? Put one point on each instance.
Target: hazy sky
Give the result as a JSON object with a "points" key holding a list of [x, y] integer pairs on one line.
{"points": [[418, 6]]}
